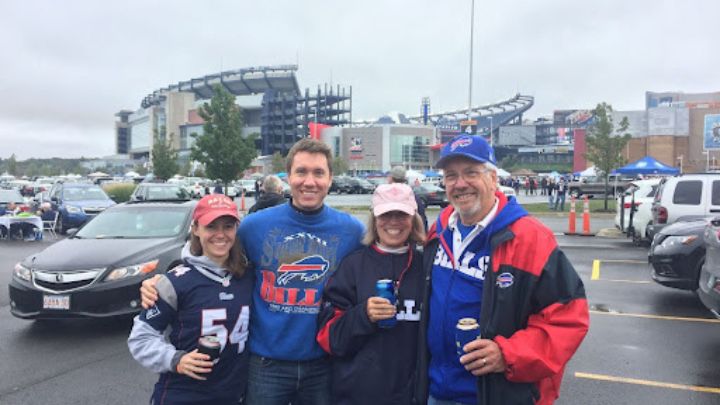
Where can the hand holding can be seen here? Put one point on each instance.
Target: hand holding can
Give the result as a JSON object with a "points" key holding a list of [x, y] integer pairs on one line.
{"points": [[386, 289], [466, 330]]}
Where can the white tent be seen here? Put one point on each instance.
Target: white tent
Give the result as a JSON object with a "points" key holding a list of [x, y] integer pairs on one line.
{"points": [[502, 173], [98, 174], [132, 174], [414, 176], [590, 171]]}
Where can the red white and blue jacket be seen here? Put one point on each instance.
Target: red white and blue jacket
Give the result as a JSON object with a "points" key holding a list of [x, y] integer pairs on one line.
{"points": [[532, 304]]}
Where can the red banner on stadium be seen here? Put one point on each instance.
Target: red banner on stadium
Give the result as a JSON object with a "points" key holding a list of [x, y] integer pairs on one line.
{"points": [[315, 129]]}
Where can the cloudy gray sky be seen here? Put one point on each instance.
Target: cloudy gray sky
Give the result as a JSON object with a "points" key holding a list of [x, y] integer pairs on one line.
{"points": [[69, 66]]}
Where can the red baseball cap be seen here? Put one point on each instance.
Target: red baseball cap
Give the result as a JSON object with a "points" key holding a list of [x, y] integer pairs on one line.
{"points": [[214, 206]]}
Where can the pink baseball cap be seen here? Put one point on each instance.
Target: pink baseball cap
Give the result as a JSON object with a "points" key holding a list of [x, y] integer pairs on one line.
{"points": [[214, 206], [393, 197]]}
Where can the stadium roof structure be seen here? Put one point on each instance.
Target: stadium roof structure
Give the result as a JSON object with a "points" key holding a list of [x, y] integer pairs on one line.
{"points": [[515, 105], [240, 82]]}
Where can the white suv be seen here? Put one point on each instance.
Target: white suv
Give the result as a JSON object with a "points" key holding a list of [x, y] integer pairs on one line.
{"points": [[685, 195], [642, 193]]}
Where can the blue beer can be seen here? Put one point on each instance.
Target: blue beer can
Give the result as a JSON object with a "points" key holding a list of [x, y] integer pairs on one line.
{"points": [[466, 330], [385, 288]]}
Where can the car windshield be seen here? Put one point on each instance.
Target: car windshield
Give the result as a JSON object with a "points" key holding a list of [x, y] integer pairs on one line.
{"points": [[7, 196], [136, 223], [167, 193], [84, 193]]}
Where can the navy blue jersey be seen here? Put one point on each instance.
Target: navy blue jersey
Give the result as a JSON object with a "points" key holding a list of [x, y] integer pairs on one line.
{"points": [[205, 306]]}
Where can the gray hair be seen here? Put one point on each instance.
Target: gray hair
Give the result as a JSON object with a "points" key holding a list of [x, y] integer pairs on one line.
{"points": [[271, 184]]}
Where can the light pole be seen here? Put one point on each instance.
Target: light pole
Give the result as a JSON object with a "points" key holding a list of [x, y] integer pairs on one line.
{"points": [[491, 130], [472, 28], [680, 158], [707, 161]]}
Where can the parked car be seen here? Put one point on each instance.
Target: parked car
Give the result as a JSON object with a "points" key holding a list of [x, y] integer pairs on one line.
{"points": [[360, 186], [677, 254], [595, 185], [97, 271], [11, 196], [77, 203], [640, 195], [685, 195], [245, 184], [340, 184], [431, 195], [709, 284], [508, 191], [159, 191]]}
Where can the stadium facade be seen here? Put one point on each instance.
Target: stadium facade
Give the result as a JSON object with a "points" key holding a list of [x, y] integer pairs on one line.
{"points": [[273, 106]]}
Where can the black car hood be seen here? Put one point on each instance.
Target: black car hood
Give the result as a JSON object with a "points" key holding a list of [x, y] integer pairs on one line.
{"points": [[84, 254], [691, 227]]}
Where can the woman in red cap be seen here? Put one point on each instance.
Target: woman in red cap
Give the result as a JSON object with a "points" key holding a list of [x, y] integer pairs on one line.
{"points": [[205, 306], [373, 341]]}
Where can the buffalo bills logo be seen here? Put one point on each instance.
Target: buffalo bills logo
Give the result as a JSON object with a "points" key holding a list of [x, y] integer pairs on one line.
{"points": [[307, 270], [460, 143], [505, 280]]}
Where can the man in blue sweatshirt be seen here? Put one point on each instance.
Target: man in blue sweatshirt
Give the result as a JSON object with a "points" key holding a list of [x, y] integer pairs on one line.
{"points": [[294, 249]]}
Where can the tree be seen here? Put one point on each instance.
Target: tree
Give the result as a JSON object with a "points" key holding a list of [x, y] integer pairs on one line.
{"points": [[221, 147], [605, 143], [12, 165], [164, 159], [278, 163], [339, 165]]}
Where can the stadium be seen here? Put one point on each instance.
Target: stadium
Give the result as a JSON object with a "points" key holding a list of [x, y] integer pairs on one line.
{"points": [[670, 128]]}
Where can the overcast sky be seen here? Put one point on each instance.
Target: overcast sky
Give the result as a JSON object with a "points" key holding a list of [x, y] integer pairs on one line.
{"points": [[69, 66]]}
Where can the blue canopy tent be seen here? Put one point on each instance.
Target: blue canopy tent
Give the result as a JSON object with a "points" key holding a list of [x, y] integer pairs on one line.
{"points": [[647, 165], [431, 173]]}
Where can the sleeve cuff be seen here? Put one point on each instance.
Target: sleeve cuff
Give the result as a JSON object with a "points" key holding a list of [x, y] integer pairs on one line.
{"points": [[176, 360]]}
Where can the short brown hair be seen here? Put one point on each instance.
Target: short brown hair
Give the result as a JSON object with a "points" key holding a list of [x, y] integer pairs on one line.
{"points": [[236, 263], [417, 234], [308, 145]]}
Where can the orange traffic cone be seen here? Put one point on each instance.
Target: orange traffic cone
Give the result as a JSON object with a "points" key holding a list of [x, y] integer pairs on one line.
{"points": [[586, 217], [571, 217], [242, 201]]}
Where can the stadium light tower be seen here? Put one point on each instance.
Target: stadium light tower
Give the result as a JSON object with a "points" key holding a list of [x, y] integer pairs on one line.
{"points": [[472, 27]]}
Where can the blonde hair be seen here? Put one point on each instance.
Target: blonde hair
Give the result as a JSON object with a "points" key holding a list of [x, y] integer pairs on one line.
{"points": [[236, 262], [417, 234]]}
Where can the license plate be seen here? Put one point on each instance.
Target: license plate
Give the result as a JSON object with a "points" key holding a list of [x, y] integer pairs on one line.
{"points": [[56, 302]]}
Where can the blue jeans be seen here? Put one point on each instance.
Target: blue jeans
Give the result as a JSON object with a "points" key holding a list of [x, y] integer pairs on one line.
{"points": [[560, 200], [279, 382]]}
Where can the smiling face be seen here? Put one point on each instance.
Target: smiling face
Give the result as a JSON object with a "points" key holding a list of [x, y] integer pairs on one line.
{"points": [[309, 180], [470, 188], [393, 228], [217, 238]]}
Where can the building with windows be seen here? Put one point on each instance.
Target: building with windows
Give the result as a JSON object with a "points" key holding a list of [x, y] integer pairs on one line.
{"points": [[273, 107]]}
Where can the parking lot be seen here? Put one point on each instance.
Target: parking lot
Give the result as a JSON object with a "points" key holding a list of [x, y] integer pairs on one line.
{"points": [[647, 343]]}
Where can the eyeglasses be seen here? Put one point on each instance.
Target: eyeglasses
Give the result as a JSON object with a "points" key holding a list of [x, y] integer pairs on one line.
{"points": [[469, 174]]}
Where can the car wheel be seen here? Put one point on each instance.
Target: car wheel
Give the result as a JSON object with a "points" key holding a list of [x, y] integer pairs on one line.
{"points": [[61, 227]]}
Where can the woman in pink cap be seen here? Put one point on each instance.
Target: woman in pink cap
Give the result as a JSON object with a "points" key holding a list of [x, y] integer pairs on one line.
{"points": [[205, 305], [373, 342]]}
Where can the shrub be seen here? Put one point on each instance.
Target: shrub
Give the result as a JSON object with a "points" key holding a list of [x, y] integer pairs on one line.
{"points": [[119, 192]]}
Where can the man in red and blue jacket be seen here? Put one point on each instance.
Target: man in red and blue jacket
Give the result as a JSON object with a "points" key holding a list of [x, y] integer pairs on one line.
{"points": [[487, 259]]}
